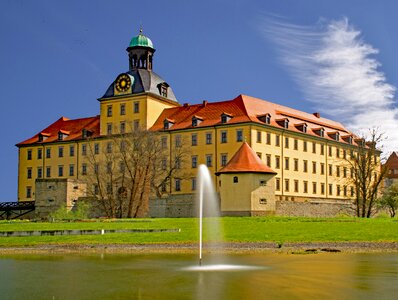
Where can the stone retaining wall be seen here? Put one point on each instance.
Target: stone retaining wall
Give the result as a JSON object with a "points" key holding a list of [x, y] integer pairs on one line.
{"points": [[314, 208]]}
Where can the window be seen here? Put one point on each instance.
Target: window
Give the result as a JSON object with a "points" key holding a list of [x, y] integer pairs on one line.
{"points": [[39, 172], [352, 172], [277, 184], [84, 149], [48, 172], [29, 173], [136, 107], [163, 90], [314, 187], [208, 138], [60, 171], [322, 168], [268, 158], [277, 162], [223, 136], [277, 140], [177, 162], [345, 154], [178, 141], [164, 142], [96, 168], [71, 170], [337, 153], [193, 184], [39, 153], [109, 111], [96, 148], [322, 149], [123, 146], [122, 109], [295, 144], [330, 151], [122, 127], [84, 169], [330, 170], [109, 167], [345, 191], [60, 151], [314, 167], [345, 172], [109, 128], [352, 191], [258, 136], [263, 182], [305, 146], [259, 154], [177, 183], [305, 166], [122, 166], [236, 180], [194, 139], [239, 135], [338, 190], [313, 147], [164, 164], [268, 140], [296, 164], [48, 152], [330, 189], [305, 186], [224, 159], [337, 171], [28, 192], [286, 163], [296, 186], [29, 154], [164, 187], [194, 161], [96, 189], [136, 124], [209, 160], [286, 185], [71, 151], [286, 142], [322, 189], [109, 147]]}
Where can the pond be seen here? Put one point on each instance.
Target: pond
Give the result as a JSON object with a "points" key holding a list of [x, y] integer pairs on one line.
{"points": [[169, 276]]}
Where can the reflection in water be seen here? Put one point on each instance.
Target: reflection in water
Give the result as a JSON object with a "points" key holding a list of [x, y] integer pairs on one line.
{"points": [[274, 276]]}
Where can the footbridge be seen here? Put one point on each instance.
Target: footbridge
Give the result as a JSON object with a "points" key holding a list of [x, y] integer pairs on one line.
{"points": [[13, 210]]}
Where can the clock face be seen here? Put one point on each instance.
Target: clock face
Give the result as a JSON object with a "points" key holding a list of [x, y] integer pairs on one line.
{"points": [[123, 83]]}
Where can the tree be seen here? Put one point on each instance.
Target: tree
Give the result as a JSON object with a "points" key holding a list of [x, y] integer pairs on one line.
{"points": [[367, 174], [133, 167], [389, 200]]}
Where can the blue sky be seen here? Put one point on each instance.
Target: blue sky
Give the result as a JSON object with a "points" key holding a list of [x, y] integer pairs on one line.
{"points": [[58, 57]]}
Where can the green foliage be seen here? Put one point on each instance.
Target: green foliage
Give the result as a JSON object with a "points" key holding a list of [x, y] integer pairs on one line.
{"points": [[389, 200], [62, 214]]}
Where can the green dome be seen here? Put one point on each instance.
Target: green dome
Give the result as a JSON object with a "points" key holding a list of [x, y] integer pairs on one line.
{"points": [[141, 41]]}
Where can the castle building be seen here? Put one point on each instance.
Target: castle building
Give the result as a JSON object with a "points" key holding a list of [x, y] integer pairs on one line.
{"points": [[303, 155]]}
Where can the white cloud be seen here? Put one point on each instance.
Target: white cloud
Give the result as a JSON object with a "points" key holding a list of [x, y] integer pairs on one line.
{"points": [[337, 71]]}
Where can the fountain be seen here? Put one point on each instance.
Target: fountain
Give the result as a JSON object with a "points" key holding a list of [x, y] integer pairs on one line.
{"points": [[209, 207]]}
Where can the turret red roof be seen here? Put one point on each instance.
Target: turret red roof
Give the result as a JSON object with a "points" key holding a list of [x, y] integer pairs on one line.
{"points": [[392, 165], [246, 160]]}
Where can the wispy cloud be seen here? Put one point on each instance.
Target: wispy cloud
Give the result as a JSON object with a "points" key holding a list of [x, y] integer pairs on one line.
{"points": [[338, 72]]}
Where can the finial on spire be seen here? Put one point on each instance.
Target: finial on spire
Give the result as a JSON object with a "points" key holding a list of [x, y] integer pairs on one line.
{"points": [[141, 29]]}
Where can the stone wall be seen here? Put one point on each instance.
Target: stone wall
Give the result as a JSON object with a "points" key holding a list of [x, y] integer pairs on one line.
{"points": [[314, 208], [173, 206]]}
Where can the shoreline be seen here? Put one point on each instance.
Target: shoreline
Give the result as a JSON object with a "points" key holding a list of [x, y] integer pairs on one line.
{"points": [[229, 247]]}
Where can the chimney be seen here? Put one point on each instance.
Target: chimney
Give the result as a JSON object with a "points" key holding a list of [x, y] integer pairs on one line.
{"points": [[317, 114], [186, 105], [204, 103]]}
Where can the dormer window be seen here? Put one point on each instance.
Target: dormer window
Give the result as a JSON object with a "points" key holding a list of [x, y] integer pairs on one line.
{"points": [[62, 134], [348, 139], [319, 131], [283, 122], [163, 89], [335, 135], [86, 133], [196, 121], [302, 127], [43, 136], [265, 118], [167, 124], [360, 142], [225, 118]]}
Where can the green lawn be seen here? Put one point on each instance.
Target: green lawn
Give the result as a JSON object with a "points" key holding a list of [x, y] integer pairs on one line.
{"points": [[236, 229]]}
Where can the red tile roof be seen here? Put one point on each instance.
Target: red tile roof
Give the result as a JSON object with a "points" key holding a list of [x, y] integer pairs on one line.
{"points": [[392, 164], [73, 128], [245, 160], [248, 109]]}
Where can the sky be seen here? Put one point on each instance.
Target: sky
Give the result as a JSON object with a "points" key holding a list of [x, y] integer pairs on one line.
{"points": [[336, 57]]}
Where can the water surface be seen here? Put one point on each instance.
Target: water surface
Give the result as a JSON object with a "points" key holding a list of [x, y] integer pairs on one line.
{"points": [[168, 276]]}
